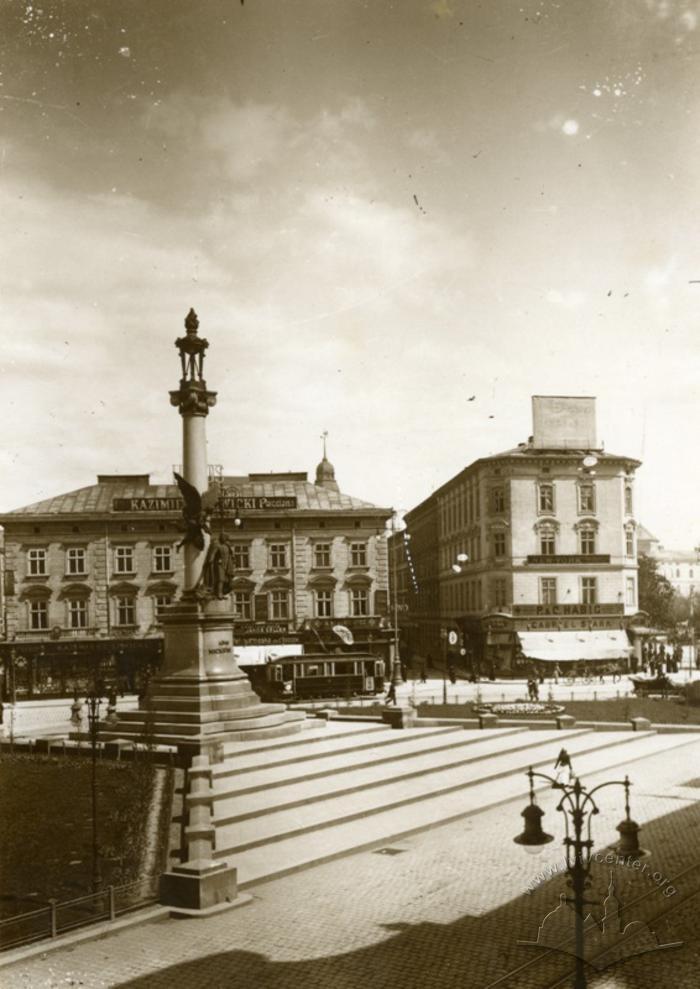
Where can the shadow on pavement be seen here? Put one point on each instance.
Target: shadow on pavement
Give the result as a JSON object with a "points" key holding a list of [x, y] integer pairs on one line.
{"points": [[473, 951]]}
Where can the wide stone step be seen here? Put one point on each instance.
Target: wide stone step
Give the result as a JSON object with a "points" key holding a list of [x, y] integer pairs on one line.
{"points": [[176, 738], [210, 702], [293, 852], [329, 812], [164, 715], [201, 688], [245, 761], [319, 730], [397, 746], [491, 745]]}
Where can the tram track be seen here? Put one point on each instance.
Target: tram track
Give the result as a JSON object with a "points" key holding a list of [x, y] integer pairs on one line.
{"points": [[531, 966]]}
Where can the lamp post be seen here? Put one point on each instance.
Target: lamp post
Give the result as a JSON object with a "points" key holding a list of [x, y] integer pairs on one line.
{"points": [[396, 677], [691, 630], [578, 807], [93, 701], [460, 561]]}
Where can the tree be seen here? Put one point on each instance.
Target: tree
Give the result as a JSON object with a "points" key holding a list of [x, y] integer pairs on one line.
{"points": [[656, 594]]}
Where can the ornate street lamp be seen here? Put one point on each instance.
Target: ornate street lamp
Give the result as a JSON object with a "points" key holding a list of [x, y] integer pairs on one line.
{"points": [[578, 807], [396, 678]]}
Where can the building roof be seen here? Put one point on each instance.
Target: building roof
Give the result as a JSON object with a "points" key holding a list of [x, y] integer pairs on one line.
{"points": [[526, 451], [97, 499], [644, 534]]}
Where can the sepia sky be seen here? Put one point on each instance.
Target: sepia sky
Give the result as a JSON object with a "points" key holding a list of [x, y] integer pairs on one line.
{"points": [[378, 210]]}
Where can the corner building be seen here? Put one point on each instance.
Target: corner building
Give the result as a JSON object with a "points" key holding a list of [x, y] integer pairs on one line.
{"points": [[87, 572], [549, 532]]}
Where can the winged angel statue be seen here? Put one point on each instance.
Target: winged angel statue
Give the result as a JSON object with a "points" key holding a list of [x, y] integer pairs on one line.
{"points": [[218, 570], [196, 512]]}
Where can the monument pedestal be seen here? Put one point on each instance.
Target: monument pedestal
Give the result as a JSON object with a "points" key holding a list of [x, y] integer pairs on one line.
{"points": [[199, 886], [203, 698]]}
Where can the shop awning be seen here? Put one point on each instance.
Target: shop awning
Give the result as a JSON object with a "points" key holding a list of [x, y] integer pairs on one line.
{"points": [[573, 645], [260, 655]]}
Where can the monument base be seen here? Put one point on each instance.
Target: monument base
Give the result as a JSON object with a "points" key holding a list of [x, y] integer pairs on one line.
{"points": [[201, 889], [399, 717], [202, 699]]}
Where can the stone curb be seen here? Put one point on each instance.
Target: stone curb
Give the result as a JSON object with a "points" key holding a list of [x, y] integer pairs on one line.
{"points": [[88, 933]]}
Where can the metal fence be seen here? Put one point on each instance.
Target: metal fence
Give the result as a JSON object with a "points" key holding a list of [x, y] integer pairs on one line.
{"points": [[57, 918]]}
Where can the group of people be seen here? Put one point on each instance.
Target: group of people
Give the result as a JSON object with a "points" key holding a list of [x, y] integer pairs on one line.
{"points": [[657, 658]]}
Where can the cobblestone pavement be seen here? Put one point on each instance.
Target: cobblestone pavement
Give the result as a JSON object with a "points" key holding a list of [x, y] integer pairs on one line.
{"points": [[446, 911]]}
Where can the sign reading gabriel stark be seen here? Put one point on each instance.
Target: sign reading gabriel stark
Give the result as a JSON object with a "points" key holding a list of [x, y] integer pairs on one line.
{"points": [[242, 504]]}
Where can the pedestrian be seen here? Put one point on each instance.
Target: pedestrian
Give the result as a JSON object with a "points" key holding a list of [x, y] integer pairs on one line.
{"points": [[423, 678], [555, 672], [563, 768], [451, 674], [391, 694]]}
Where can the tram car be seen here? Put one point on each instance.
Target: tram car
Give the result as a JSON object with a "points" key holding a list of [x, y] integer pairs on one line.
{"points": [[315, 675]]}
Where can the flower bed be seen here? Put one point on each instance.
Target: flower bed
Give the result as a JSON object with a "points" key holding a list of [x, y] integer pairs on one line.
{"points": [[520, 708]]}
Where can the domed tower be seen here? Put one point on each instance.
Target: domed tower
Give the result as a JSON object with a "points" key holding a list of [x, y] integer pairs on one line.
{"points": [[325, 472]]}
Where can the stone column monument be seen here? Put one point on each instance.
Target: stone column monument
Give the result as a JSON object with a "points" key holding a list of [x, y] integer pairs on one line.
{"points": [[201, 698]]}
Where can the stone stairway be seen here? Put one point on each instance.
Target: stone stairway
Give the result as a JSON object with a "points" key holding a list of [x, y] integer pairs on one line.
{"points": [[281, 805]]}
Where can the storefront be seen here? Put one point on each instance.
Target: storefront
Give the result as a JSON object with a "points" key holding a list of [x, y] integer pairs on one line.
{"points": [[35, 669]]}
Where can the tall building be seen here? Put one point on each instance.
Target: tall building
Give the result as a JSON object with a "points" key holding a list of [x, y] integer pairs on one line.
{"points": [[528, 555], [88, 571]]}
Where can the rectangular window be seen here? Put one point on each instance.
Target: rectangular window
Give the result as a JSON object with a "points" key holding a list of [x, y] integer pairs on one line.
{"points": [[629, 542], [631, 595], [322, 555], [499, 544], [123, 559], [76, 561], [160, 601], [548, 590], [242, 604], [125, 611], [241, 556], [38, 615], [36, 562], [498, 500], [278, 556], [545, 500], [548, 546], [358, 554], [359, 603], [587, 542], [324, 604], [77, 614], [162, 559], [589, 590], [586, 498], [279, 603], [498, 592]]}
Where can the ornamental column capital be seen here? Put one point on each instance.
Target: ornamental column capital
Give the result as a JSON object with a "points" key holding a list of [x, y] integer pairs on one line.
{"points": [[193, 398]]}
